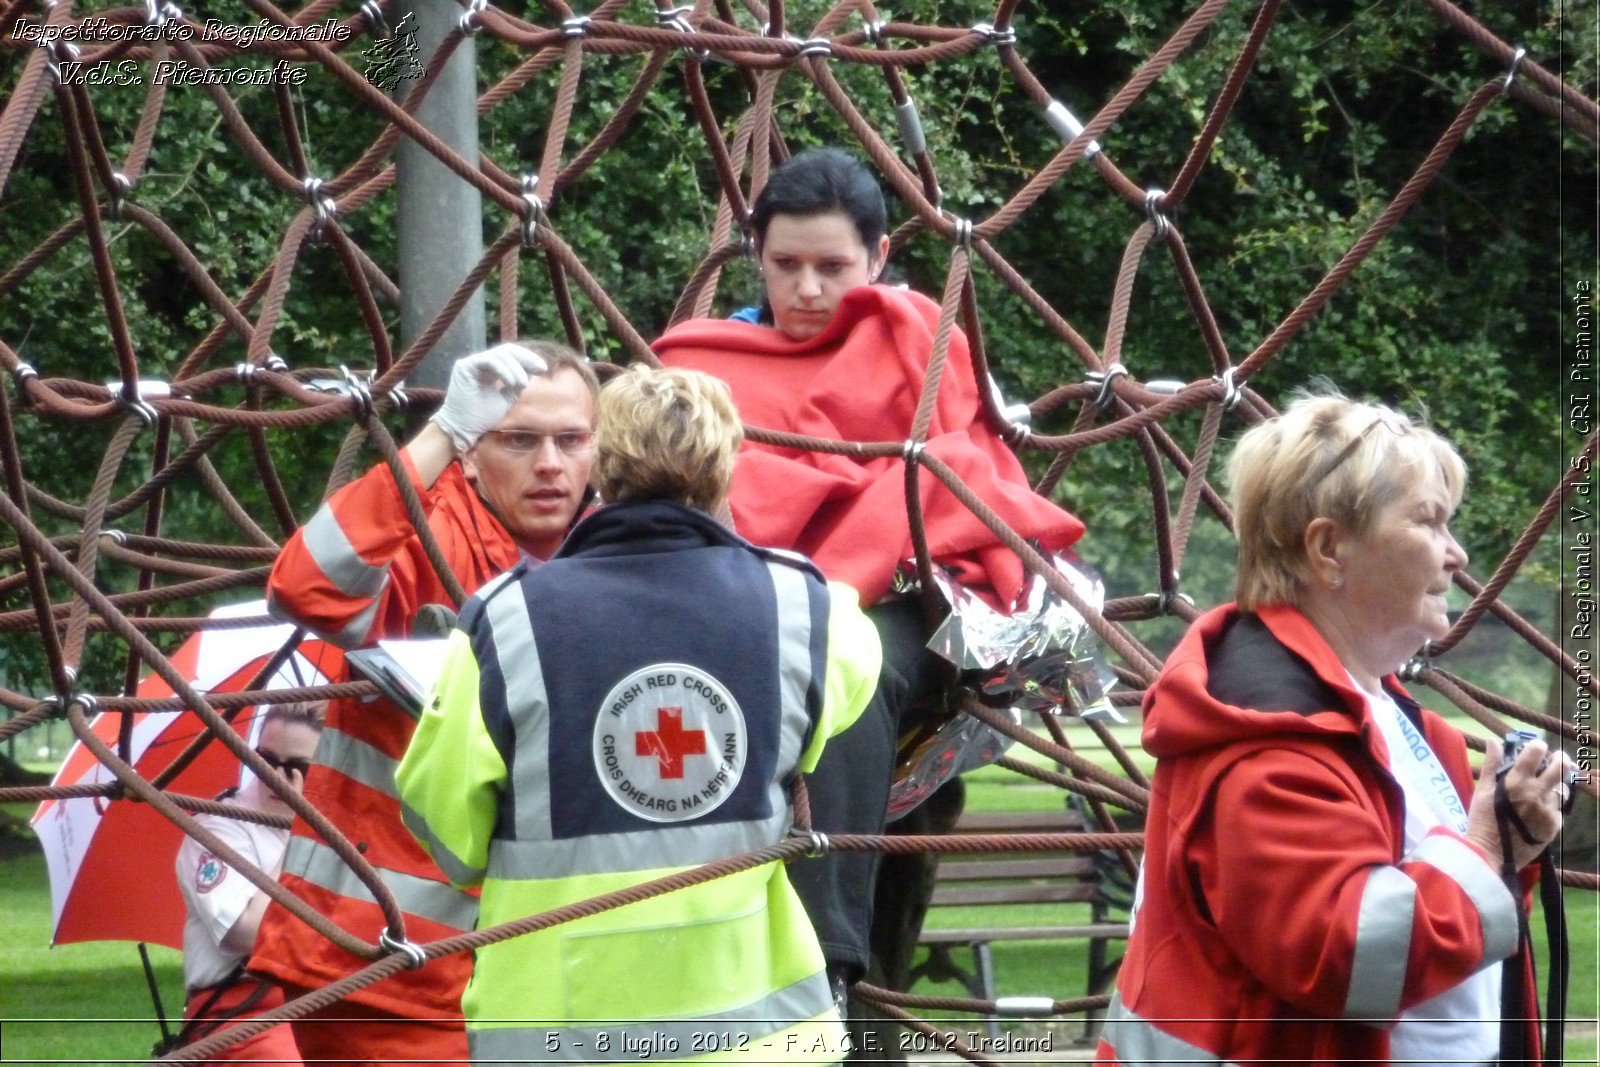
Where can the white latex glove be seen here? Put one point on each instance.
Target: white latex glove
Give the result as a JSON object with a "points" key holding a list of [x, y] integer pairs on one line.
{"points": [[482, 389]]}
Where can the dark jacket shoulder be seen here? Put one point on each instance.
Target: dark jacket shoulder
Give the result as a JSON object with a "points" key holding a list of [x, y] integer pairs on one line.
{"points": [[1250, 668]]}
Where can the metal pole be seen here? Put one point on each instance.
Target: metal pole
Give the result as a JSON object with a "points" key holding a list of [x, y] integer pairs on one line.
{"points": [[440, 217]]}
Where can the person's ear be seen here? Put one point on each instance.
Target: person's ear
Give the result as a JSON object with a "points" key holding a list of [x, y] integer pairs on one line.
{"points": [[877, 262], [469, 464], [1325, 547]]}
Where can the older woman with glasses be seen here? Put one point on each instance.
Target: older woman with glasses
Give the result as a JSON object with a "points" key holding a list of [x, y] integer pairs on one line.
{"points": [[1322, 881]]}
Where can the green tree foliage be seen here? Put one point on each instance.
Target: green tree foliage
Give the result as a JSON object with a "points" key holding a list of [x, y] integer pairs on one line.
{"points": [[1458, 311]]}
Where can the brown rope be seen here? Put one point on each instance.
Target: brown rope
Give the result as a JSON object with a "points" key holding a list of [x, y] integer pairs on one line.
{"points": [[66, 577]]}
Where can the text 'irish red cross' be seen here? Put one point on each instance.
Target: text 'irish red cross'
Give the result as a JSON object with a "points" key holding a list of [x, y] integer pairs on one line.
{"points": [[669, 742]]}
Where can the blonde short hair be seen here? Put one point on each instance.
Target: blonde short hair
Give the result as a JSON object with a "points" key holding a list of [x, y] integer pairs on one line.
{"points": [[667, 434], [1325, 457]]}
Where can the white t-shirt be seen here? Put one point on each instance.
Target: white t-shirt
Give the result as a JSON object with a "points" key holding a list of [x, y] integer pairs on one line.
{"points": [[1461, 1025], [217, 895]]}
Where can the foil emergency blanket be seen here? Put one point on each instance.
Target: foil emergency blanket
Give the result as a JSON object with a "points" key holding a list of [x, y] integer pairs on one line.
{"points": [[1043, 657]]}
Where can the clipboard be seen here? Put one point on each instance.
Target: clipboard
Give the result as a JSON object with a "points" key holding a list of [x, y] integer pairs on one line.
{"points": [[404, 671]]}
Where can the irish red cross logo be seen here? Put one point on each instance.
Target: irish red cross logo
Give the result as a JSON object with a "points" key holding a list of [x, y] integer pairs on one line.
{"points": [[669, 742]]}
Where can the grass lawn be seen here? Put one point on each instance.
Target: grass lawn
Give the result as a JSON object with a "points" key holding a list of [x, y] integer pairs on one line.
{"points": [[74, 1003]]}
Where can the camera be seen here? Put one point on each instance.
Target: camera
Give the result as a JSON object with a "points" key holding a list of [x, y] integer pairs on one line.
{"points": [[1513, 745]]}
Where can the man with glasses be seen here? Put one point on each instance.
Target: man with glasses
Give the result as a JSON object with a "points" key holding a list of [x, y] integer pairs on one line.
{"points": [[224, 909], [503, 470]]}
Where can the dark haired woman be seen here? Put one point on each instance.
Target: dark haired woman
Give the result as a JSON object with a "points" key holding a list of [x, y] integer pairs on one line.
{"points": [[832, 355]]}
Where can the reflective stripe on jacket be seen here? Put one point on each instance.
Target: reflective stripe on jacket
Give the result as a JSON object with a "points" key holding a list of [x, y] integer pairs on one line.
{"points": [[354, 574], [633, 708], [1279, 919]]}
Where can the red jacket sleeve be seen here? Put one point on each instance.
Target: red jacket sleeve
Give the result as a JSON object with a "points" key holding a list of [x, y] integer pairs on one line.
{"points": [[348, 568], [1297, 869]]}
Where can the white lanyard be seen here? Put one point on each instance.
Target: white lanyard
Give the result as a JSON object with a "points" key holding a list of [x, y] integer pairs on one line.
{"points": [[1412, 760]]}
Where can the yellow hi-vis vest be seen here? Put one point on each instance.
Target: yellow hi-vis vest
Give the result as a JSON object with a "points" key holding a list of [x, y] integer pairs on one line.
{"points": [[566, 754]]}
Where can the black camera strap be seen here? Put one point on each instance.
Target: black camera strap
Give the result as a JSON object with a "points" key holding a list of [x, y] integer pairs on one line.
{"points": [[1514, 975]]}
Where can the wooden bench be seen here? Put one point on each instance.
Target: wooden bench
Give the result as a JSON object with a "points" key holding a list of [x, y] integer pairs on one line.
{"points": [[1001, 882]]}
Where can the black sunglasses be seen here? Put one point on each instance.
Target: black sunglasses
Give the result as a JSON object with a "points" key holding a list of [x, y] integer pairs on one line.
{"points": [[284, 766]]}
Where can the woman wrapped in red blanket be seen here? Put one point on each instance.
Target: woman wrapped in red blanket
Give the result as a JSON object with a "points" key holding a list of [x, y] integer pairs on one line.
{"points": [[832, 355]]}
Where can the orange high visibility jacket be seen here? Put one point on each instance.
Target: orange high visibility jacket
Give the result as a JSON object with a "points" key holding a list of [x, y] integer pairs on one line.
{"points": [[354, 574]]}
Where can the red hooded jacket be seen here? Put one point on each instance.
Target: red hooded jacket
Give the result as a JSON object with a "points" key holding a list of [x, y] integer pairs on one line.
{"points": [[1279, 920]]}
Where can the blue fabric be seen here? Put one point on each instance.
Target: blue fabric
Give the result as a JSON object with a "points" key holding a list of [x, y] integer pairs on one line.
{"points": [[752, 315], [650, 583]]}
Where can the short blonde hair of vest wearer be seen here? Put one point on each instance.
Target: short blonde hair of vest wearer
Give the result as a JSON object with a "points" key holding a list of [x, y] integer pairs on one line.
{"points": [[669, 434], [1325, 457]]}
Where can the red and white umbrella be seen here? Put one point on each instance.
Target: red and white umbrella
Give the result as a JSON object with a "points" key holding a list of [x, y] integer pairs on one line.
{"points": [[111, 862]]}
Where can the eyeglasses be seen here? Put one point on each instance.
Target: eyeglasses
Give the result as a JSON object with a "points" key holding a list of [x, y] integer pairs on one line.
{"points": [[569, 442], [284, 766], [1348, 450]]}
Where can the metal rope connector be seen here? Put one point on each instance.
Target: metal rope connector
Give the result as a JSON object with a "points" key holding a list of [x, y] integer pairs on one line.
{"points": [[359, 388], [138, 404], [912, 452], [1019, 415], [1152, 211], [910, 123], [1517, 58], [873, 29], [963, 234], [816, 47], [818, 839], [1067, 126], [530, 224], [60, 52], [1166, 598], [993, 36], [1231, 392], [275, 362], [469, 23], [120, 186], [398, 397], [673, 19], [159, 14], [116, 537], [324, 207], [576, 26], [1024, 1007], [1104, 378], [1417, 665], [21, 375], [412, 951], [375, 20]]}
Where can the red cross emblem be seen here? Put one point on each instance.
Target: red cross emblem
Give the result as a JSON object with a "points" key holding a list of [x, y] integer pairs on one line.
{"points": [[669, 742]]}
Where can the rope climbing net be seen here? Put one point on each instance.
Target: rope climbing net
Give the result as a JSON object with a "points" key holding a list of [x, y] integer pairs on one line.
{"points": [[708, 74]]}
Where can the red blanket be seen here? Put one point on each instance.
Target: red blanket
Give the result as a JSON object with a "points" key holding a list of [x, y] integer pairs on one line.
{"points": [[859, 380]]}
